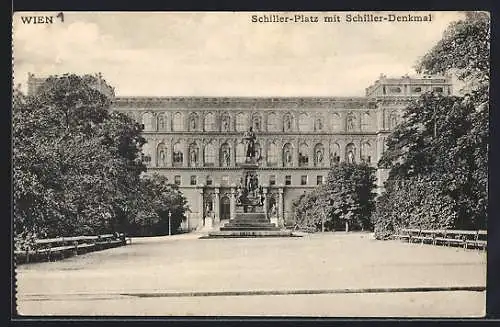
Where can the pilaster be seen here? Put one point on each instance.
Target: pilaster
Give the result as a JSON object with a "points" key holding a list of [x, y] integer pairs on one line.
{"points": [[217, 203]]}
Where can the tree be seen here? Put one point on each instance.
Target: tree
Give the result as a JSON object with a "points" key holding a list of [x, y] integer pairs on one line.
{"points": [[415, 202], [311, 210], [347, 197], [441, 147], [158, 198], [464, 50], [76, 164], [350, 190]]}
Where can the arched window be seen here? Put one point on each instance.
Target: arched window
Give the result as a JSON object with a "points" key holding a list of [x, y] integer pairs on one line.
{"points": [[350, 153], [287, 123], [161, 155], [303, 155], [366, 122], [226, 123], [210, 122], [350, 122], [272, 122], [193, 154], [334, 154], [319, 155], [240, 153], [161, 122], [241, 122], [318, 123], [177, 156], [146, 154], [287, 155], [336, 121], [303, 123], [193, 122], [393, 120], [210, 180], [225, 155], [272, 154], [257, 123], [131, 115], [177, 123], [366, 152], [147, 121], [209, 155]]}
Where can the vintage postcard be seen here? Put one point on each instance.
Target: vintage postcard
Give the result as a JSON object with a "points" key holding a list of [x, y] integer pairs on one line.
{"points": [[290, 164]]}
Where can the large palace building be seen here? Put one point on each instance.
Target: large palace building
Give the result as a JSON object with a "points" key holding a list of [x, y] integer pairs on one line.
{"points": [[197, 141]]}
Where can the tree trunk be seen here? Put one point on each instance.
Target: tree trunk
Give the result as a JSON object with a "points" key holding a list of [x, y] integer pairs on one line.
{"points": [[346, 225]]}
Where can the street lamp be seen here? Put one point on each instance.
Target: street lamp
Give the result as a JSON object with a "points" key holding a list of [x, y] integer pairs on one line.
{"points": [[323, 222], [169, 223]]}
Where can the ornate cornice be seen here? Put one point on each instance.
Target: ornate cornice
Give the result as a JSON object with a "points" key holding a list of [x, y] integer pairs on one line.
{"points": [[232, 168], [244, 102]]}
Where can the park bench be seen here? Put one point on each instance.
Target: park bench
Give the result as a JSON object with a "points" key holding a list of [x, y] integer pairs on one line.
{"points": [[61, 247], [424, 236], [479, 241], [401, 234], [408, 233], [448, 237]]}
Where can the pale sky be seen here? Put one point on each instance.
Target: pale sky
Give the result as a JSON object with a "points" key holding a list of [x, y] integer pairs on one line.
{"points": [[223, 54]]}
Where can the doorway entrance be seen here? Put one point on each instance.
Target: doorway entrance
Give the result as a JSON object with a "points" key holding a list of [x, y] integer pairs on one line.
{"points": [[225, 208]]}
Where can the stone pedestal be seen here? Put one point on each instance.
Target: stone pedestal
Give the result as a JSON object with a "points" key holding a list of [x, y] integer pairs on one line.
{"points": [[208, 222], [250, 218]]}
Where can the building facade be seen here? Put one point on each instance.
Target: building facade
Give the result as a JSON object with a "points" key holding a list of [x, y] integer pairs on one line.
{"points": [[197, 141]]}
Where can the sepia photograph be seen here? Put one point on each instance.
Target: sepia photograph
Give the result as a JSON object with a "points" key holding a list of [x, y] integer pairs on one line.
{"points": [[250, 164]]}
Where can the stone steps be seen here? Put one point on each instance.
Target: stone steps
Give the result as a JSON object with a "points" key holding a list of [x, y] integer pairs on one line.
{"points": [[256, 228], [250, 234], [249, 224]]}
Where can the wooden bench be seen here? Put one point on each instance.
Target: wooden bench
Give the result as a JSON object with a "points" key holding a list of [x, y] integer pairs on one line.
{"points": [[61, 247], [424, 236], [448, 237], [402, 234], [479, 241]]}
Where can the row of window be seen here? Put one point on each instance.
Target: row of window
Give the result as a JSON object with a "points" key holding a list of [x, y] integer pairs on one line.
{"points": [[416, 89], [286, 123], [206, 155], [225, 180]]}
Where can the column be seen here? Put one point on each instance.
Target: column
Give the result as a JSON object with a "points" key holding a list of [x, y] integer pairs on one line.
{"points": [[169, 148], [233, 201], [154, 121], [185, 154], [264, 190], [234, 143], [342, 153], [263, 152], [154, 153], [168, 121], [312, 155], [359, 143], [201, 155], [380, 121], [295, 159], [280, 204], [217, 204], [200, 205], [328, 155], [217, 152]]}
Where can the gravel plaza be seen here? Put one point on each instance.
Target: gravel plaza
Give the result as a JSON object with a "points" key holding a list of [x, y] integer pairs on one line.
{"points": [[327, 275]]}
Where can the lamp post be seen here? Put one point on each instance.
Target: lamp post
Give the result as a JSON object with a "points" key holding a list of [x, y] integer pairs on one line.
{"points": [[169, 223], [323, 222]]}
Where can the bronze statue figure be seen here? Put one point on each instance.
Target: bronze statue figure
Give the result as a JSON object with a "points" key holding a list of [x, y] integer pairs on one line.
{"points": [[250, 138]]}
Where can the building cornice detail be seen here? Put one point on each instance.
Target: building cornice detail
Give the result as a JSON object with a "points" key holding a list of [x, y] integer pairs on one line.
{"points": [[244, 102]]}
